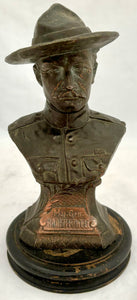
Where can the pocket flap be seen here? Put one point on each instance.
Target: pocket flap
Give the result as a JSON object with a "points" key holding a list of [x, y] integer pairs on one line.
{"points": [[42, 164], [91, 163]]}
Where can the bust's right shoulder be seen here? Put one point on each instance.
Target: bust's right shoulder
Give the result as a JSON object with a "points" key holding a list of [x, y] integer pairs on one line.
{"points": [[25, 121]]}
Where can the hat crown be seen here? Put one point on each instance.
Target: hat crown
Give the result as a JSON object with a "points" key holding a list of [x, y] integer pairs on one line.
{"points": [[60, 31], [57, 19]]}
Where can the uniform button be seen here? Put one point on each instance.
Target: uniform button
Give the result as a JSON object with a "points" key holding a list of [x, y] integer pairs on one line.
{"points": [[74, 163], [56, 138], [101, 166], [70, 138], [39, 168]]}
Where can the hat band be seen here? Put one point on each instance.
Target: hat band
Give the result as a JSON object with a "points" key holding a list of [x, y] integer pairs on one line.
{"points": [[60, 35]]}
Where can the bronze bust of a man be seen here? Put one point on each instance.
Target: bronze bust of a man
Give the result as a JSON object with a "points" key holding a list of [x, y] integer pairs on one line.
{"points": [[67, 145]]}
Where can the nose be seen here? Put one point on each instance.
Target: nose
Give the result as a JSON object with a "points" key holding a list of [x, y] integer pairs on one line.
{"points": [[69, 80]]}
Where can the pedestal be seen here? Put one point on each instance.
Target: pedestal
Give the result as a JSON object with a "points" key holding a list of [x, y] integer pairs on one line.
{"points": [[69, 270]]}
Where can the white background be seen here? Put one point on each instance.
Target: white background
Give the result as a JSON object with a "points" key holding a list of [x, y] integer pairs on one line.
{"points": [[114, 93]]}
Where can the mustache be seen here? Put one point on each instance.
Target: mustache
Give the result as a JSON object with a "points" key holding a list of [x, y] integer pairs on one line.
{"points": [[67, 94]]}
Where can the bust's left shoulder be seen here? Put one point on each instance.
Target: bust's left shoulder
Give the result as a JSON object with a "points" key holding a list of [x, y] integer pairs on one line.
{"points": [[106, 118]]}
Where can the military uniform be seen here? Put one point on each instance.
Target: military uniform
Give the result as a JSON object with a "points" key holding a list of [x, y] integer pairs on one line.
{"points": [[67, 153]]}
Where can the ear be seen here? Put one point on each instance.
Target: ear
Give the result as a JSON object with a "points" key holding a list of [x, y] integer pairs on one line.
{"points": [[37, 74], [94, 70]]}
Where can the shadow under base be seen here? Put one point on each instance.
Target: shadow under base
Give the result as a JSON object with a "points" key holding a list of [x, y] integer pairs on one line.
{"points": [[69, 270]]}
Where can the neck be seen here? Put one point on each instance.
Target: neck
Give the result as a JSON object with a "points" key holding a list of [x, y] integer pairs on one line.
{"points": [[68, 120]]}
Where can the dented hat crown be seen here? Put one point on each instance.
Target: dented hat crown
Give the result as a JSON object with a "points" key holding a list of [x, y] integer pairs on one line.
{"points": [[59, 31]]}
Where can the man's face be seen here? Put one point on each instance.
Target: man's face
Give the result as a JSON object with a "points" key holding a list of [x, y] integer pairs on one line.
{"points": [[67, 79]]}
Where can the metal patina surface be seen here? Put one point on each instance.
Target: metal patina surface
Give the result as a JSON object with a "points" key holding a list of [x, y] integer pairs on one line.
{"points": [[67, 145]]}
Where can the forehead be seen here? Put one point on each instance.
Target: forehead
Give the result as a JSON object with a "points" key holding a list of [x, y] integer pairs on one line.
{"points": [[79, 57]]}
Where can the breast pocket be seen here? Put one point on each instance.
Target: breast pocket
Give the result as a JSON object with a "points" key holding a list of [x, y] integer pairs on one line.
{"points": [[45, 169], [92, 167]]}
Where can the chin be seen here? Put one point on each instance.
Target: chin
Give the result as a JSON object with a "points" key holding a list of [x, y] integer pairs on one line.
{"points": [[69, 107]]}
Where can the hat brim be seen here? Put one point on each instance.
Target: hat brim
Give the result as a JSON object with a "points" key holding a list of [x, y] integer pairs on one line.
{"points": [[73, 44]]}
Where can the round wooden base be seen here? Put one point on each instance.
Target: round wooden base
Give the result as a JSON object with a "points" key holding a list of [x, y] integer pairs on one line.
{"points": [[69, 270]]}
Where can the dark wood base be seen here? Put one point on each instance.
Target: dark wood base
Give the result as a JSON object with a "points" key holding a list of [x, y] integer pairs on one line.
{"points": [[69, 270]]}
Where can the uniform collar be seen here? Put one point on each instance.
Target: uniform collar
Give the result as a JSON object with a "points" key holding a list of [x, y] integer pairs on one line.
{"points": [[67, 120]]}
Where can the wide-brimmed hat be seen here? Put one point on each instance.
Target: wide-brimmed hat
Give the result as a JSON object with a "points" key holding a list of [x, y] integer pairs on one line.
{"points": [[60, 31]]}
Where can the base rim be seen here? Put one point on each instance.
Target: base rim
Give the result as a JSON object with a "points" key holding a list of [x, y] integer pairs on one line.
{"points": [[80, 286]]}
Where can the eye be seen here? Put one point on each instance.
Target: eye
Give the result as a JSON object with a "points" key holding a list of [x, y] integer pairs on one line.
{"points": [[77, 67], [50, 69], [56, 70], [82, 68], [44, 68], [46, 71]]}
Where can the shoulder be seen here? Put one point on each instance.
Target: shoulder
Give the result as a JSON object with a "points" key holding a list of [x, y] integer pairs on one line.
{"points": [[108, 127], [106, 118], [25, 121]]}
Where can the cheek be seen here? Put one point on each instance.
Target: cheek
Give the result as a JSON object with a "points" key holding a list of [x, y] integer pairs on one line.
{"points": [[86, 76], [89, 77], [85, 81], [47, 85]]}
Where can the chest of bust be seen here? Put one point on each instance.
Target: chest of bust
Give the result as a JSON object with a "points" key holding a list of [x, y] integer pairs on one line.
{"points": [[68, 156]]}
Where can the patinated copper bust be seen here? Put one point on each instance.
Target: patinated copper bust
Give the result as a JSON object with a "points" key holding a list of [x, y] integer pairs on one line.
{"points": [[67, 145]]}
